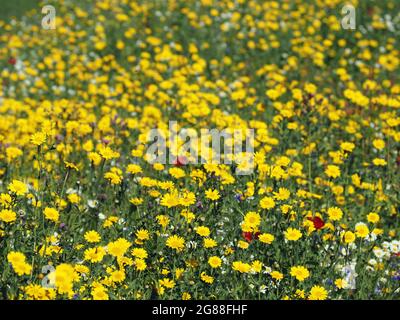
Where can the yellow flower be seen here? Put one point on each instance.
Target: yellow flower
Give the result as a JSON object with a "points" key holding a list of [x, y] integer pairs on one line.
{"points": [[170, 200], [241, 267], [318, 293], [243, 244], [22, 268], [276, 275], [74, 198], [136, 201], [140, 264], [13, 153], [51, 214], [361, 230], [341, 283], [292, 234], [18, 187], [63, 278], [186, 296], [378, 144], [256, 266], [118, 276], [167, 283], [347, 146], [282, 194], [212, 194], [7, 215], [118, 247], [349, 237], [163, 220], [266, 238], [214, 262], [94, 254], [203, 231], [142, 235], [15, 257], [107, 153], [209, 243], [175, 242], [177, 173], [113, 177], [99, 293], [38, 138], [70, 165], [267, 203], [332, 171], [373, 217], [92, 236], [139, 253], [5, 200], [206, 278], [379, 162], [252, 219], [133, 168], [299, 272], [335, 213]]}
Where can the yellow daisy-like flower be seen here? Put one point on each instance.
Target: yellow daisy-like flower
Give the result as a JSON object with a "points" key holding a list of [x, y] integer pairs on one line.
{"points": [[51, 214], [332, 171], [266, 238], [299, 272], [214, 262], [212, 194], [267, 203], [38, 138], [318, 293], [92, 236], [203, 231], [18, 187], [292, 234], [335, 213], [176, 242], [8, 216]]}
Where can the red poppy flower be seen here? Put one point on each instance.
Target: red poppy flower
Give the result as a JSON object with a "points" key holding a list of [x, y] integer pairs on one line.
{"points": [[180, 161], [250, 236], [12, 61], [318, 222]]}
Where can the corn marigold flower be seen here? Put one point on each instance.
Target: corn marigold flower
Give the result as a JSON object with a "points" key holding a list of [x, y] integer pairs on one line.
{"points": [[276, 275], [8, 216], [241, 266], [318, 293], [92, 236], [38, 138], [212, 194], [214, 262], [332, 171], [267, 203], [266, 238], [18, 187], [206, 278], [362, 230], [51, 214], [299, 272], [203, 231], [335, 213], [349, 237], [119, 247], [176, 242], [373, 217], [292, 234]]}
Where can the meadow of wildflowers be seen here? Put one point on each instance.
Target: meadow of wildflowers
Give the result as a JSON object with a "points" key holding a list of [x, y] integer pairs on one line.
{"points": [[85, 214]]}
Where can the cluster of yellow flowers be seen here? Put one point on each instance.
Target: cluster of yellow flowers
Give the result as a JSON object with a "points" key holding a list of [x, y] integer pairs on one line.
{"points": [[318, 217]]}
